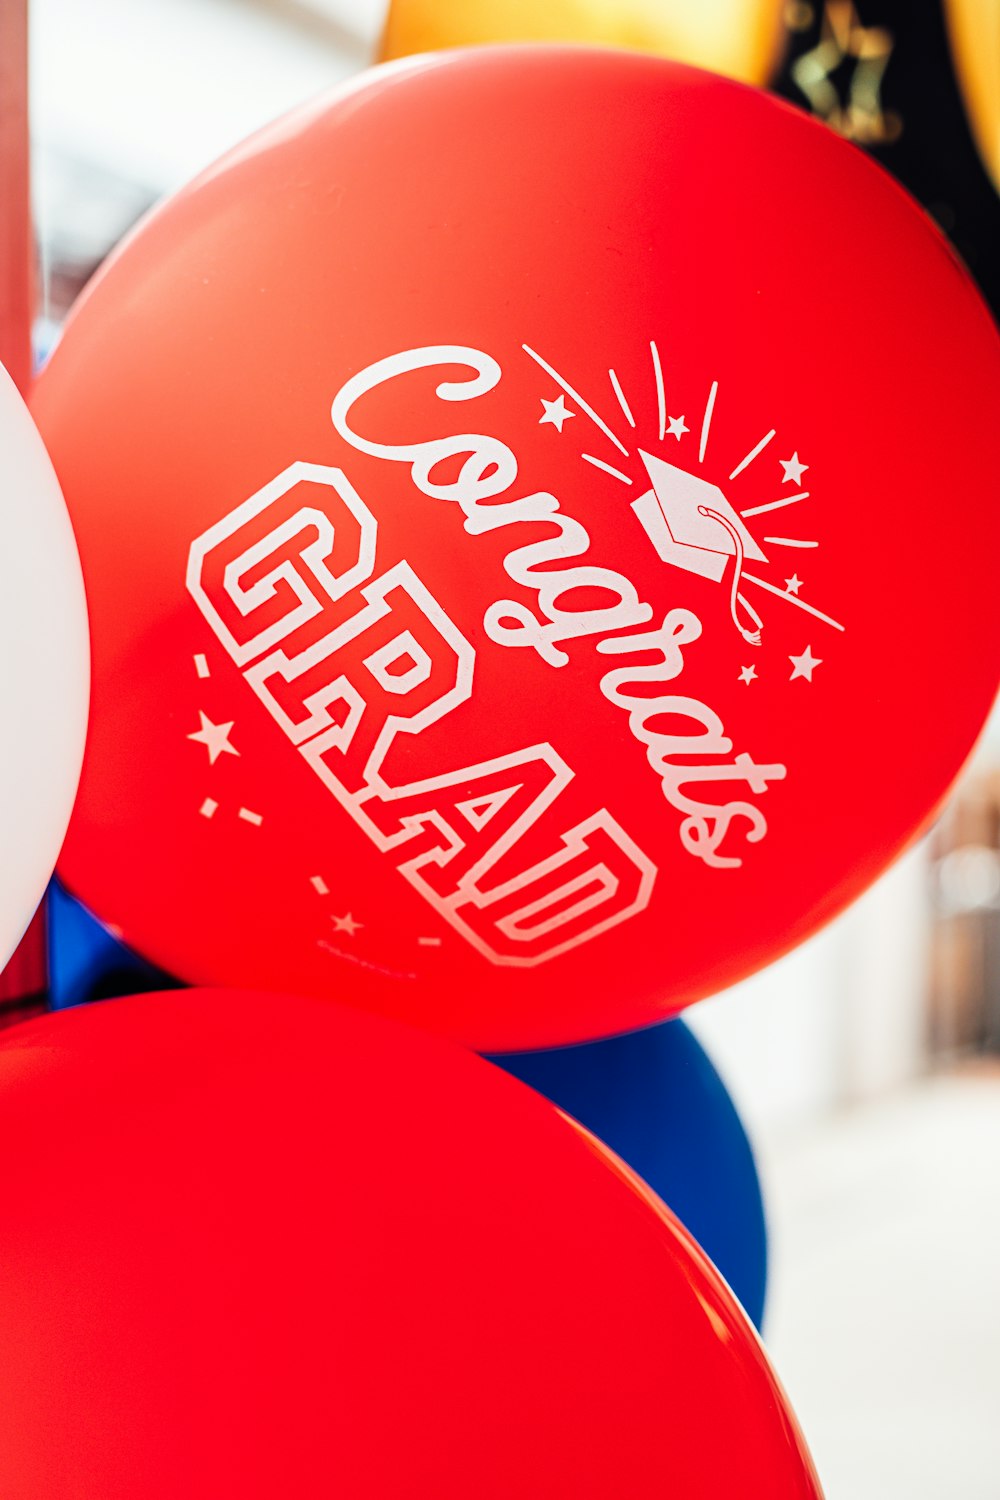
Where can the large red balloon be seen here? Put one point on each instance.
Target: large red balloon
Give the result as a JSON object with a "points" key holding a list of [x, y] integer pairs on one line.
{"points": [[537, 509], [254, 1249]]}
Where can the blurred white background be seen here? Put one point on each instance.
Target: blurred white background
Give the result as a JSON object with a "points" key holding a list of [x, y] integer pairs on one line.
{"points": [[865, 1063]]}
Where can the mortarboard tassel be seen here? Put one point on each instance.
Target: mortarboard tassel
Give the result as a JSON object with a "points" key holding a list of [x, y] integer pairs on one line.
{"points": [[752, 637]]}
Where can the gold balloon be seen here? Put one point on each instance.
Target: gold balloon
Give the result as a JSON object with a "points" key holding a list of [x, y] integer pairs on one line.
{"points": [[974, 28], [741, 38]]}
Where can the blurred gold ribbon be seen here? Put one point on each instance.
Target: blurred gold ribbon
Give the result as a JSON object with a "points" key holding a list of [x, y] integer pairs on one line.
{"points": [[741, 38], [974, 29]]}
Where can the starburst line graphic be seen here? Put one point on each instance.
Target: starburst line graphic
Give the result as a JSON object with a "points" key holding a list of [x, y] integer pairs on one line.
{"points": [[706, 421], [661, 400], [758, 510], [584, 405], [616, 383], [608, 468], [670, 504], [793, 599], [745, 463]]}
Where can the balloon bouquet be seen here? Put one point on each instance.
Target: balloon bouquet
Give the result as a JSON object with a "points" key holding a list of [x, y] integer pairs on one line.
{"points": [[517, 496]]}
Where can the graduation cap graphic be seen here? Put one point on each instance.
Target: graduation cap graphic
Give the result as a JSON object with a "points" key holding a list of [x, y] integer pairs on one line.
{"points": [[693, 526], [688, 520]]}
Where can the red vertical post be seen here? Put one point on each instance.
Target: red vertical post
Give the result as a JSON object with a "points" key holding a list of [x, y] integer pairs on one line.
{"points": [[15, 212], [22, 982]]}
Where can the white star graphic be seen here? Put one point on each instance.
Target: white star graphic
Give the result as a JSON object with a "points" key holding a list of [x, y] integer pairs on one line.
{"points": [[556, 412], [805, 665], [793, 584], [677, 428], [794, 470], [346, 924], [215, 738], [747, 674]]}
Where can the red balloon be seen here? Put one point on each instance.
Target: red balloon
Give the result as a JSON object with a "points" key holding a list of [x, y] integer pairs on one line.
{"points": [[536, 508], [261, 1249]]}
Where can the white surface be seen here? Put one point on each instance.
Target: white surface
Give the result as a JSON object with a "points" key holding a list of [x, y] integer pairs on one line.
{"points": [[884, 1306], [155, 90], [44, 668], [840, 1018]]}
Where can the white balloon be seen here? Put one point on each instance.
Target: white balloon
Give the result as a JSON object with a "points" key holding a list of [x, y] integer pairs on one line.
{"points": [[44, 667]]}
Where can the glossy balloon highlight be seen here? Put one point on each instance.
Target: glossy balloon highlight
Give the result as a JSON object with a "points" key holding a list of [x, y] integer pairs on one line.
{"points": [[260, 1246], [512, 493]]}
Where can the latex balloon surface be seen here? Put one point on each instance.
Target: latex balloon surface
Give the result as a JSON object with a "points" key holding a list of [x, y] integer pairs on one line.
{"points": [[256, 1248], [44, 668], [738, 37], [535, 506], [656, 1100], [653, 1096]]}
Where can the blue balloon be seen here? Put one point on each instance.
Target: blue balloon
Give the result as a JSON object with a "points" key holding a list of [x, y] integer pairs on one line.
{"points": [[86, 962], [654, 1097]]}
